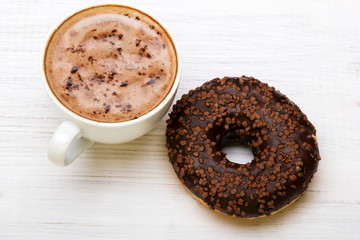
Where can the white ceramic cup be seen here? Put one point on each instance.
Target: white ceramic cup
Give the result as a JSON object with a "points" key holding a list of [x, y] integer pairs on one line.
{"points": [[77, 133]]}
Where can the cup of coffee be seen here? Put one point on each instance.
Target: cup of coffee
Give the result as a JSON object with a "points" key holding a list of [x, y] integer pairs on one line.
{"points": [[113, 71]]}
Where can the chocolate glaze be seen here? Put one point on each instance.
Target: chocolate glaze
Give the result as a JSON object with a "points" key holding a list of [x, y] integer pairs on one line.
{"points": [[244, 109]]}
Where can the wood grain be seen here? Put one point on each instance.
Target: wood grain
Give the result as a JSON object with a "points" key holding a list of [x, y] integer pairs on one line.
{"points": [[309, 50]]}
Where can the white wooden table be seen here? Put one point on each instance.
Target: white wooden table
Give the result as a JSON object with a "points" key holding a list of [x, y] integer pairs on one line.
{"points": [[309, 50]]}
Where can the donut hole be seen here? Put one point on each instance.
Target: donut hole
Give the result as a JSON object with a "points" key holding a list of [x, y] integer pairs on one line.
{"points": [[238, 151]]}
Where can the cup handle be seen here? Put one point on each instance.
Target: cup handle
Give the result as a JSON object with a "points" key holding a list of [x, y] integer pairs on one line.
{"points": [[67, 143]]}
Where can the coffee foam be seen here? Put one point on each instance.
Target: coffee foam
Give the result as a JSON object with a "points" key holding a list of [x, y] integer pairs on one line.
{"points": [[110, 63]]}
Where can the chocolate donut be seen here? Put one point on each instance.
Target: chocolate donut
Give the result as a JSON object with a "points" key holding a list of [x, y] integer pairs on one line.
{"points": [[242, 109]]}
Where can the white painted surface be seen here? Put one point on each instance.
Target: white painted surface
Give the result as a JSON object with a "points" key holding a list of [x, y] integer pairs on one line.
{"points": [[309, 50]]}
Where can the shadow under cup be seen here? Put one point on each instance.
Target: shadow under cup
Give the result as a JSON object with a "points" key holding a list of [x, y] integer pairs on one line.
{"points": [[78, 132]]}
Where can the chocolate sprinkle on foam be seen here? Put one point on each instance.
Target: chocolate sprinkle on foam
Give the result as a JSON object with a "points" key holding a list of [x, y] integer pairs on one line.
{"points": [[283, 142]]}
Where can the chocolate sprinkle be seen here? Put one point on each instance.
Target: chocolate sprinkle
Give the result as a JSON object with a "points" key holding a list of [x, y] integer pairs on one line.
{"points": [[107, 108], [124, 84], [150, 82], [242, 109], [74, 69]]}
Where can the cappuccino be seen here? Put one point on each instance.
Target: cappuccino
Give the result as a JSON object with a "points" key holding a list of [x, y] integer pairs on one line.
{"points": [[110, 63]]}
